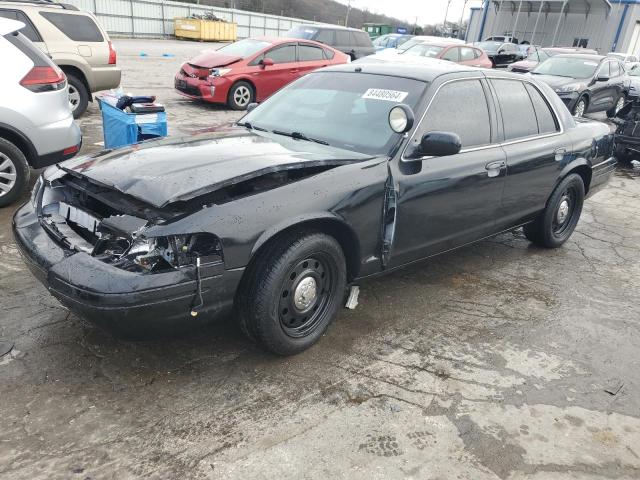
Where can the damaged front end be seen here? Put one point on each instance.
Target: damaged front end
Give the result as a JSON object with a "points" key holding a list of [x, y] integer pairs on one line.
{"points": [[84, 217], [627, 135]]}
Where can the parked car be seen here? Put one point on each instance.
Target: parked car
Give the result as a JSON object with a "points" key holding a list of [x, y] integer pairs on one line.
{"points": [[629, 61], [391, 40], [355, 43], [586, 83], [75, 41], [463, 54], [627, 136], [36, 125], [251, 70], [350, 172], [502, 39], [634, 82], [500, 54], [536, 55]]}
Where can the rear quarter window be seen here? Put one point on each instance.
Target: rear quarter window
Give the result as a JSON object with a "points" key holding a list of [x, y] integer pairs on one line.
{"points": [[29, 30], [362, 39], [547, 122], [78, 28]]}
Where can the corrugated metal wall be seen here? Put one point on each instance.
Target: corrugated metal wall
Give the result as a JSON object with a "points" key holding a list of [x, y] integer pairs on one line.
{"points": [[599, 29], [154, 18]]}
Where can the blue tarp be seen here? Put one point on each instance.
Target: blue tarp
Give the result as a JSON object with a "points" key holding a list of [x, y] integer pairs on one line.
{"points": [[122, 128]]}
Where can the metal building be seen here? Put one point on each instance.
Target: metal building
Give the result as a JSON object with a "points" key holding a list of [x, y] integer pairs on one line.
{"points": [[603, 25]]}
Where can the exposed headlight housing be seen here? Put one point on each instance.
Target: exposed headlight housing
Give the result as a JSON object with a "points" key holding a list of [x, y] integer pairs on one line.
{"points": [[572, 87], [219, 72], [35, 193]]}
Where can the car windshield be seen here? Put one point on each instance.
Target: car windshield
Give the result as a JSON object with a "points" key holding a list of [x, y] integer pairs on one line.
{"points": [[408, 44], [424, 50], [489, 45], [244, 48], [302, 32], [567, 67], [345, 110], [380, 40]]}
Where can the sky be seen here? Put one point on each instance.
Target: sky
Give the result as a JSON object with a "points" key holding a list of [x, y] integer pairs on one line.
{"points": [[427, 11]]}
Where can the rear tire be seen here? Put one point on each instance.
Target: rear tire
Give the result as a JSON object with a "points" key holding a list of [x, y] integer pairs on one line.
{"points": [[619, 103], [78, 95], [557, 222], [14, 173], [292, 292], [240, 96]]}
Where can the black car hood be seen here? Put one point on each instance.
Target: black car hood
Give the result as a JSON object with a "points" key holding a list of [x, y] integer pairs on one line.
{"points": [[160, 172], [554, 81]]}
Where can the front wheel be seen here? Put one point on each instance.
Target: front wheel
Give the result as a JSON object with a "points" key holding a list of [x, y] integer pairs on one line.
{"points": [[240, 96], [557, 222], [292, 292]]}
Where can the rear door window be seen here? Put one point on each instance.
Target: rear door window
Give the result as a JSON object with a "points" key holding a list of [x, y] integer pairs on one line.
{"points": [[309, 53], [547, 122], [460, 107], [79, 28], [29, 30], [467, 54], [452, 55], [615, 69], [363, 40], [518, 115], [343, 38]]}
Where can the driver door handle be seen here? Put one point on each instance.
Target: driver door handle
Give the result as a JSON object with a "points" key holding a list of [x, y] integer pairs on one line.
{"points": [[494, 168]]}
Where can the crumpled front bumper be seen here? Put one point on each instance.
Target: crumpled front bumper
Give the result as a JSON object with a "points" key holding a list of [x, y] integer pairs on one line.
{"points": [[132, 305]]}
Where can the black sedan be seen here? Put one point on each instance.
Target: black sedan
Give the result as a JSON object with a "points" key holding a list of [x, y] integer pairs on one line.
{"points": [[348, 173], [501, 54], [586, 83]]}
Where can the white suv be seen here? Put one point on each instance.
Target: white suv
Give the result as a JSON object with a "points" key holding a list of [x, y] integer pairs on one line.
{"points": [[74, 40], [36, 124]]}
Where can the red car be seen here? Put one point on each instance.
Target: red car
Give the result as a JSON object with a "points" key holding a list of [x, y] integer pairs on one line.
{"points": [[252, 69], [462, 54]]}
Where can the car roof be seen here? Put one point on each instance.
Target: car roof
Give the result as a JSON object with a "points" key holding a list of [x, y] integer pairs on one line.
{"points": [[425, 71], [279, 40], [329, 27], [584, 56], [9, 26]]}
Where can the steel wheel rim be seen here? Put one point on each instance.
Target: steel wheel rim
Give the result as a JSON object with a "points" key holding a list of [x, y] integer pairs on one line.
{"points": [[565, 211], [579, 110], [300, 318], [242, 96], [8, 174], [74, 97]]}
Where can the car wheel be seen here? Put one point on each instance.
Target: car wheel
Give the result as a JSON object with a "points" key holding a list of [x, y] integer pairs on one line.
{"points": [[78, 95], [580, 107], [560, 217], [14, 173], [240, 96], [617, 106], [292, 292]]}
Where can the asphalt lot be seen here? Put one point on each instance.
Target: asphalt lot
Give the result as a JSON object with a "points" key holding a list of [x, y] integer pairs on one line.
{"points": [[491, 362]]}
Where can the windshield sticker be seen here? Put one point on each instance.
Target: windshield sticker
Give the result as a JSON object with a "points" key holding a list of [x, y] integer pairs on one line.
{"points": [[382, 94], [592, 64]]}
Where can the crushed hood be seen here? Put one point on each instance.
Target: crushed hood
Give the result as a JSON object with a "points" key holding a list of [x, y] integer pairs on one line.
{"points": [[161, 172], [213, 59]]}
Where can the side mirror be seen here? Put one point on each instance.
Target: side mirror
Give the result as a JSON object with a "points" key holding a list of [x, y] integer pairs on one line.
{"points": [[602, 78], [266, 62], [437, 144], [251, 106]]}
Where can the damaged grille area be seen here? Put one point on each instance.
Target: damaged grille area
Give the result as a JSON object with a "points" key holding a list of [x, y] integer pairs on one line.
{"points": [[83, 217]]}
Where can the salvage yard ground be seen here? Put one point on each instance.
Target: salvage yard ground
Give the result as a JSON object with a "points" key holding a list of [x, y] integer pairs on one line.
{"points": [[497, 361]]}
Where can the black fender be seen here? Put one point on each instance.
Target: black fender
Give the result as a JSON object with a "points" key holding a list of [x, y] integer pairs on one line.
{"points": [[15, 136]]}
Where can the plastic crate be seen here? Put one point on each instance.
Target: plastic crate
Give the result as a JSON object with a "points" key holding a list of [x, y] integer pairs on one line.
{"points": [[121, 128]]}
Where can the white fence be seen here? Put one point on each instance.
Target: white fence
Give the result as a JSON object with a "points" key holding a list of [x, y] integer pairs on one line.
{"points": [[154, 18]]}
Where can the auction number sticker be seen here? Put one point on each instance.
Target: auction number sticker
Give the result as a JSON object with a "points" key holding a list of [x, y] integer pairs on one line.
{"points": [[382, 94]]}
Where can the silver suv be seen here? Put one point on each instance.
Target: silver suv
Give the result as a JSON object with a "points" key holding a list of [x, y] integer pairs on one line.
{"points": [[36, 124], [74, 40]]}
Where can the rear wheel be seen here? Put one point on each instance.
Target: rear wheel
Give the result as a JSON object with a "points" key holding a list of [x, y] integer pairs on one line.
{"points": [[580, 107], [240, 96], [557, 222], [617, 106], [78, 95], [14, 173], [292, 292]]}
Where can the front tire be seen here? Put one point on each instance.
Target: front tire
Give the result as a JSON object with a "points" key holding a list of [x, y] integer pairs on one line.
{"points": [[292, 292], [78, 95], [240, 96], [14, 173], [557, 222]]}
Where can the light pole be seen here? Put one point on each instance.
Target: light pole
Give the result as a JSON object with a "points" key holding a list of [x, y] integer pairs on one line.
{"points": [[446, 12], [346, 20], [464, 5]]}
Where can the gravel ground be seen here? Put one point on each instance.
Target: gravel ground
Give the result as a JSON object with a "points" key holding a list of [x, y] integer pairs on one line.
{"points": [[490, 362]]}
